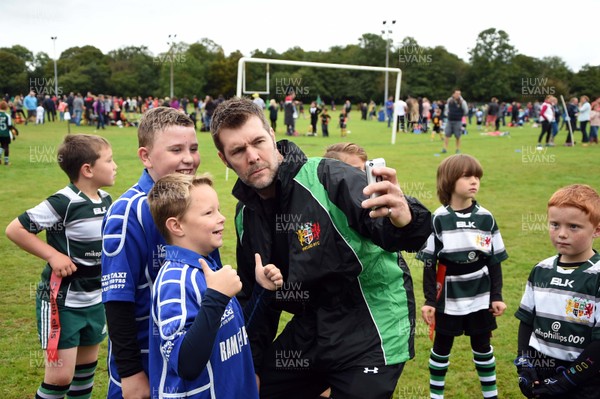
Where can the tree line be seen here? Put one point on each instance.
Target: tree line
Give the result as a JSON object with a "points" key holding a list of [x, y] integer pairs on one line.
{"points": [[495, 68]]}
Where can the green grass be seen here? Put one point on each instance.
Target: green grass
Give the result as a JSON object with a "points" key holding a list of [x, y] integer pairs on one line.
{"points": [[517, 182]]}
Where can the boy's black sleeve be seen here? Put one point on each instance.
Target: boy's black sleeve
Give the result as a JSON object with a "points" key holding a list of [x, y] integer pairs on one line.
{"points": [[496, 282], [585, 368], [429, 283], [122, 329], [524, 334], [199, 340], [587, 365]]}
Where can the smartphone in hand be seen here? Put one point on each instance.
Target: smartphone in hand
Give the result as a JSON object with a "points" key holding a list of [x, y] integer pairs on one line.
{"points": [[371, 178]]}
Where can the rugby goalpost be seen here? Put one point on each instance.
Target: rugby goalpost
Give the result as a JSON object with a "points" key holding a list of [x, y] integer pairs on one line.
{"points": [[241, 77]]}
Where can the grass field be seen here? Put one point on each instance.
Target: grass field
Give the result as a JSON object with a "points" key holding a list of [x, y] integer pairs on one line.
{"points": [[517, 182]]}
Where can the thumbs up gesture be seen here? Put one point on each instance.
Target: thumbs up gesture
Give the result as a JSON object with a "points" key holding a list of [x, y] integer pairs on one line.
{"points": [[269, 277], [225, 280]]}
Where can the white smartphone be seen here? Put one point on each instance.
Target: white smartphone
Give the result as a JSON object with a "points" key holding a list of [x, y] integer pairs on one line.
{"points": [[371, 178]]}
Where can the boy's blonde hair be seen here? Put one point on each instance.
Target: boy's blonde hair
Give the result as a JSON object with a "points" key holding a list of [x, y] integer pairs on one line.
{"points": [[77, 150], [158, 119], [453, 168], [335, 151], [580, 196], [170, 197]]}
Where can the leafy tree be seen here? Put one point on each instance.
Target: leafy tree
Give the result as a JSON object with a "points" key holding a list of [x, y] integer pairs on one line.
{"points": [[39, 64], [133, 71], [491, 60], [223, 72], [23, 53], [587, 81], [13, 75], [82, 69]]}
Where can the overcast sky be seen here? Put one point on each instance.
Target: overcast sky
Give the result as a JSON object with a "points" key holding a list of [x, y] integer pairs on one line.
{"points": [[536, 29]]}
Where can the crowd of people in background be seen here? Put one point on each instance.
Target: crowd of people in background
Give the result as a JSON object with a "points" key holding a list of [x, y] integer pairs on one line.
{"points": [[414, 114]]}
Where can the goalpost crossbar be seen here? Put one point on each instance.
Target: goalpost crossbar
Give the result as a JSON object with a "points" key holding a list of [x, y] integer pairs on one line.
{"points": [[241, 77]]}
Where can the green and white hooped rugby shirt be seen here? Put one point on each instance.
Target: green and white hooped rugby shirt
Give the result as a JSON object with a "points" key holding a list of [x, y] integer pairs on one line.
{"points": [[466, 243], [73, 224], [563, 306]]}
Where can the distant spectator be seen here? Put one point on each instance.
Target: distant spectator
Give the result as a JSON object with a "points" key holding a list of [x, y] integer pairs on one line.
{"points": [[401, 108], [30, 104], [594, 121], [273, 111], [363, 111], [501, 116], [571, 120], [389, 110], [315, 110], [5, 133], [372, 111], [456, 108], [514, 114], [425, 113], [347, 108], [78, 105], [39, 115], [290, 114], [175, 103], [70, 102], [343, 123], [99, 111], [492, 113], [18, 104], [50, 108], [325, 117], [258, 101], [546, 118], [584, 118], [184, 103], [209, 109], [472, 110], [412, 111], [88, 103], [62, 107]]}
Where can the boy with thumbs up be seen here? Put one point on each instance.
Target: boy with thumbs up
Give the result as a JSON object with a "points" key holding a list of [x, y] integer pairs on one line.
{"points": [[199, 347]]}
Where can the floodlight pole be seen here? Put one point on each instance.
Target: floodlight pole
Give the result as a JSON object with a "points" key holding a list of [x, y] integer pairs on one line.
{"points": [[55, 70], [171, 43], [387, 58]]}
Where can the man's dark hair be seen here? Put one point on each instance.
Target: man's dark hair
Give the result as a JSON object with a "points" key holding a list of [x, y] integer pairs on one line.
{"points": [[232, 114]]}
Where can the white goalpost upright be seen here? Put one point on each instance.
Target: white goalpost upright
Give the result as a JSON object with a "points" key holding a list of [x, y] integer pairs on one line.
{"points": [[241, 77]]}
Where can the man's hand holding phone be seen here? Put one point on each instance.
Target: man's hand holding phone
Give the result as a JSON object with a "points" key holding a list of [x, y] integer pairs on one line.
{"points": [[385, 195]]}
